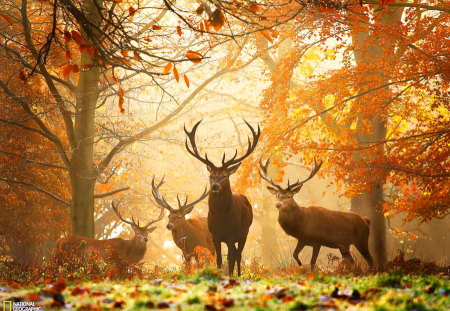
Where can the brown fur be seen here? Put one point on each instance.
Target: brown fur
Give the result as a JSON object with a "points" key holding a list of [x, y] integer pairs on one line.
{"points": [[190, 233]]}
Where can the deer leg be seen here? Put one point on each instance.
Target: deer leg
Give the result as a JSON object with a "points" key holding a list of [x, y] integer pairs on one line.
{"points": [[315, 253], [363, 248], [217, 246], [241, 245], [232, 255], [345, 252], [297, 251]]}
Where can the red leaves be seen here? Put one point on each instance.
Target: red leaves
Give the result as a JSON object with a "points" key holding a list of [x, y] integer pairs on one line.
{"points": [[77, 37], [254, 8], [68, 69], [156, 27], [186, 80], [7, 18], [384, 2], [136, 56], [193, 56], [131, 11], [67, 36], [217, 19], [68, 54], [124, 53], [200, 9], [179, 31]]}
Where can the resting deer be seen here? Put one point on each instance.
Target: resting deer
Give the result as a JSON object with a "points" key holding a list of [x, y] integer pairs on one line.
{"points": [[317, 226], [229, 215], [187, 234], [132, 251]]}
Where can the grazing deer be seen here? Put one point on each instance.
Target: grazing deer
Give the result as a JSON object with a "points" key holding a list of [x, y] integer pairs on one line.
{"points": [[317, 226], [186, 233], [132, 251], [229, 215]]}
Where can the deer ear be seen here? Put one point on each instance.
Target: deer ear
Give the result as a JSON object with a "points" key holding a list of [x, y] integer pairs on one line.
{"points": [[272, 190], [297, 189], [234, 168], [150, 230]]}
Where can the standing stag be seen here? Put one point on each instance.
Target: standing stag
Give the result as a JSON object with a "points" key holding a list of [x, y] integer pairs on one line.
{"points": [[317, 226], [132, 251], [187, 234], [229, 215]]}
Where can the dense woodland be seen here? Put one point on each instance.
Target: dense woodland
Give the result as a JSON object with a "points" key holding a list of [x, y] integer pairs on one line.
{"points": [[96, 96]]}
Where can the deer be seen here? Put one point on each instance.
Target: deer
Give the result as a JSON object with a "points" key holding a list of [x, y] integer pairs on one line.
{"points": [[188, 234], [131, 251], [230, 214], [317, 226]]}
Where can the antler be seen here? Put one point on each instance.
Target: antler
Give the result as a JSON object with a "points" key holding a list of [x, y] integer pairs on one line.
{"points": [[194, 151], [158, 197], [160, 216], [264, 174], [251, 147], [299, 183], [116, 211], [187, 208]]}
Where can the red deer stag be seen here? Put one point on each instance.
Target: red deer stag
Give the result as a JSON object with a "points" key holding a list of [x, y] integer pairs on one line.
{"points": [[229, 215], [317, 226], [187, 234], [132, 251]]}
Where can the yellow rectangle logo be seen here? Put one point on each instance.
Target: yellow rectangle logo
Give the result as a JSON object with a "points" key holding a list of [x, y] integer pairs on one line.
{"points": [[7, 305]]}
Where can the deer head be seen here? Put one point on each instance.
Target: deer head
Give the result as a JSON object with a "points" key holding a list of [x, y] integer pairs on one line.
{"points": [[140, 232], [176, 216], [285, 196], [219, 176]]}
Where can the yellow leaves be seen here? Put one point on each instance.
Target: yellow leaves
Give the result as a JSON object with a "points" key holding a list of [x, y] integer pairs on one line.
{"points": [[167, 68], [328, 101], [193, 56]]}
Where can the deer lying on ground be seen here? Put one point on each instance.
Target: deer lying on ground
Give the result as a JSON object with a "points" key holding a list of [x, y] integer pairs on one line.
{"points": [[187, 234], [317, 226], [229, 215], [131, 251]]}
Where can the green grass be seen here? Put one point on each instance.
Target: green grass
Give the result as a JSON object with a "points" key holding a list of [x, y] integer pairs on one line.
{"points": [[208, 290]]}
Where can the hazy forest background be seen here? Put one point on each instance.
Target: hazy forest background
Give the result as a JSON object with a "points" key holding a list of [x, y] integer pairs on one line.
{"points": [[95, 94]]}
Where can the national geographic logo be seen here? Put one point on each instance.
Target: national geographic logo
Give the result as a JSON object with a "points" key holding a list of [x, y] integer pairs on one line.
{"points": [[20, 306]]}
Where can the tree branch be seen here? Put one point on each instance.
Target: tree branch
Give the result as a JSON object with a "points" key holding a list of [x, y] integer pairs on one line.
{"points": [[105, 194]]}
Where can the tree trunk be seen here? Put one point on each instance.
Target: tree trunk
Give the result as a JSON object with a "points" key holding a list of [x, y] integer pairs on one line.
{"points": [[82, 170], [370, 202]]}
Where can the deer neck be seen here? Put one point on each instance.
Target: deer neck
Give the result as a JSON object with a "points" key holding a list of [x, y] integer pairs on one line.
{"points": [[136, 249], [221, 201], [180, 233], [290, 218]]}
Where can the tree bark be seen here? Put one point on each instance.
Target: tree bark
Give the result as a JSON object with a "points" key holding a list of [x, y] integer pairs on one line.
{"points": [[82, 170]]}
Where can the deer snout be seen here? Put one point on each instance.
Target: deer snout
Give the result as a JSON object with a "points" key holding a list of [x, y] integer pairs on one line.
{"points": [[170, 226], [145, 240], [215, 187], [279, 205]]}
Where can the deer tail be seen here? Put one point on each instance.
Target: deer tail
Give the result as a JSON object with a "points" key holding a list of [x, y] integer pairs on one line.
{"points": [[366, 219]]}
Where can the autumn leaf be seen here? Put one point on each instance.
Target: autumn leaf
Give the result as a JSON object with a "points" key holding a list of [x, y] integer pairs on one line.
{"points": [[167, 68], [121, 94], [23, 76], [68, 54], [200, 9], [267, 35], [77, 37], [124, 53], [179, 30], [186, 80], [67, 36], [217, 20], [254, 8], [7, 18], [156, 27], [175, 73], [193, 56], [136, 56], [68, 69], [131, 11]]}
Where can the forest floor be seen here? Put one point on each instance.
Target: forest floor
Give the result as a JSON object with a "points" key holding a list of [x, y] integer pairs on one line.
{"points": [[208, 290]]}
